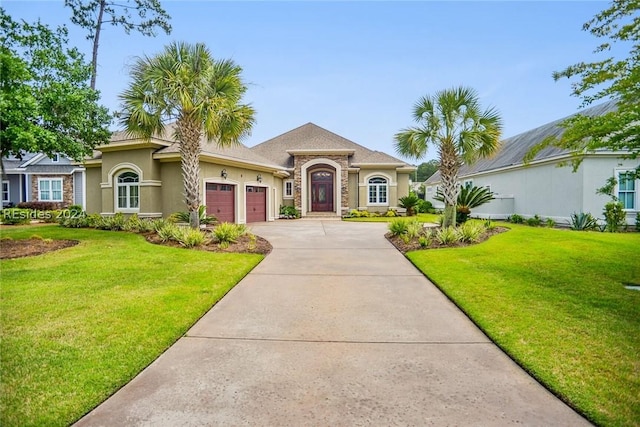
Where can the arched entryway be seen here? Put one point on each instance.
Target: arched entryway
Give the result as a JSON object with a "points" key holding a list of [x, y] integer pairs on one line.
{"points": [[322, 194]]}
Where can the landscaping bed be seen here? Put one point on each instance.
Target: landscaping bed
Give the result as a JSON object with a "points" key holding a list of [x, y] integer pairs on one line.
{"points": [[10, 248], [405, 246]]}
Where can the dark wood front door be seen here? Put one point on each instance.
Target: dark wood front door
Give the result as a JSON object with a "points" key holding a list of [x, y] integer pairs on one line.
{"points": [[322, 191]]}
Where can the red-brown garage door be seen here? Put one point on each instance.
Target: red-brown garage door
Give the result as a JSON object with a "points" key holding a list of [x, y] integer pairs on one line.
{"points": [[221, 202], [256, 204]]}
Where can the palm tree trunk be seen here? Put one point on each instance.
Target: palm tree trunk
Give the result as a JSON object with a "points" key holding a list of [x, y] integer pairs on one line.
{"points": [[189, 136], [449, 165]]}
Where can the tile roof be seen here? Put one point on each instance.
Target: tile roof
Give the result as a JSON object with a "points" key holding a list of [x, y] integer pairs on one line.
{"points": [[513, 149]]}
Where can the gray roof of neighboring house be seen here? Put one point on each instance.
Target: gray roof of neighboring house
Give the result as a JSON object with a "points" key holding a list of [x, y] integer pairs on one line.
{"points": [[513, 149], [11, 163], [312, 137]]}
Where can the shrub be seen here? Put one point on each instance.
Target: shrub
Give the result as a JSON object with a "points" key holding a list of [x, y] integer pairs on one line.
{"points": [[426, 239], [583, 221], [391, 213], [398, 227], [516, 219], [75, 210], [446, 236], [159, 223], [16, 216], [614, 216], [113, 223], [550, 223], [424, 206], [41, 206], [168, 231], [137, 225], [289, 212], [189, 237], [471, 231], [410, 203], [488, 224], [468, 198], [202, 214], [227, 232], [535, 221], [414, 228]]}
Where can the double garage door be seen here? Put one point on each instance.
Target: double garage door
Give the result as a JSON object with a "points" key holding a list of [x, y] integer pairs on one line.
{"points": [[220, 199]]}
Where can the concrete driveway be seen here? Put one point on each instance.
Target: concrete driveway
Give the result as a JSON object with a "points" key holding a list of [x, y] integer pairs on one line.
{"points": [[334, 328]]}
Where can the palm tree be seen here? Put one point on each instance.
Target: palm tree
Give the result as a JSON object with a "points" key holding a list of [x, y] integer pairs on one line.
{"points": [[202, 96], [454, 123]]}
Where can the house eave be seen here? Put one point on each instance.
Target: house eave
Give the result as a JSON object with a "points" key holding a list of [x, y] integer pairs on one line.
{"points": [[322, 152], [134, 144], [223, 160], [378, 165]]}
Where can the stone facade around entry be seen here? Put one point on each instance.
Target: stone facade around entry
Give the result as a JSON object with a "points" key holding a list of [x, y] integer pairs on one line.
{"points": [[301, 160]]}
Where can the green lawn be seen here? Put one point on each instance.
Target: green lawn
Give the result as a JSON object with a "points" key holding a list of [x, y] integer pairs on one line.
{"points": [[79, 323], [554, 300]]}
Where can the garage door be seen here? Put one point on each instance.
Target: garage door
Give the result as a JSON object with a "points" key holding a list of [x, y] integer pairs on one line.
{"points": [[256, 204], [221, 202]]}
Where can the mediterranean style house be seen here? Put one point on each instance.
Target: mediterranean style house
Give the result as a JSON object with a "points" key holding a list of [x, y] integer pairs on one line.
{"points": [[544, 186], [311, 168], [38, 178]]}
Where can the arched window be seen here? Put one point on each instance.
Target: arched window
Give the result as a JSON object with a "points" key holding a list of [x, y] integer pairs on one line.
{"points": [[128, 191], [378, 189]]}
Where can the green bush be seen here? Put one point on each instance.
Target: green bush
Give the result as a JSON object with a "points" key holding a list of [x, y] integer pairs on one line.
{"points": [[167, 231], [410, 203], [516, 219], [583, 222], [535, 221], [289, 212], [614, 216], [446, 236], [424, 206], [488, 224], [398, 227], [227, 232], [391, 213], [202, 214], [550, 223], [189, 237], [426, 239], [414, 228], [16, 216], [471, 231]]}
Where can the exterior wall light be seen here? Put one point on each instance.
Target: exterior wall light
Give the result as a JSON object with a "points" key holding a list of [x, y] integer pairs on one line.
{"points": [[223, 173], [259, 177]]}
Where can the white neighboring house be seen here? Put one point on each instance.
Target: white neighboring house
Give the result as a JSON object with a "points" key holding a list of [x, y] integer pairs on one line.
{"points": [[542, 186], [38, 178]]}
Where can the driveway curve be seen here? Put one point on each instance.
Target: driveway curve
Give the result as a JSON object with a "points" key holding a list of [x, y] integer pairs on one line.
{"points": [[334, 328]]}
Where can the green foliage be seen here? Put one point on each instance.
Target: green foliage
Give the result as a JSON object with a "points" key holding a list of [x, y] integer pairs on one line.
{"points": [[468, 198], [202, 214], [391, 213], [167, 231], [426, 169], [398, 227], [614, 216], [458, 128], [638, 221], [488, 224], [608, 77], [410, 203], [583, 222], [87, 12], [289, 212], [534, 221], [516, 219], [424, 206], [184, 81], [471, 231], [15, 216], [414, 228], [189, 237], [426, 239], [47, 105], [447, 235], [355, 213], [227, 232], [550, 223]]}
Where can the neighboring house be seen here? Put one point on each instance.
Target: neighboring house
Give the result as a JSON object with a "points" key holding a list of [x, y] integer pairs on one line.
{"points": [[38, 178], [542, 187], [315, 170]]}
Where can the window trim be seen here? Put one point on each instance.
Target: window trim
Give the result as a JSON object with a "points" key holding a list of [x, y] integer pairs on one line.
{"points": [[127, 186], [467, 183], [55, 158], [379, 185], [285, 193], [50, 190], [8, 199], [635, 182]]}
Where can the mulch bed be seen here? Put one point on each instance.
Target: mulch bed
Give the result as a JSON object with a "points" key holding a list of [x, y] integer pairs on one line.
{"points": [[29, 247], [415, 245], [242, 245]]}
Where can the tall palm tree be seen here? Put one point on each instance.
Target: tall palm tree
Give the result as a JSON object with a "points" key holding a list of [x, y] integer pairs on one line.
{"points": [[461, 132], [202, 96]]}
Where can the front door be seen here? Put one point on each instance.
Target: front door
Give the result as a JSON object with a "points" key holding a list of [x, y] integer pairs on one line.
{"points": [[322, 191]]}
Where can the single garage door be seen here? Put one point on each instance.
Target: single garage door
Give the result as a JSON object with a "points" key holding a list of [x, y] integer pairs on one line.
{"points": [[221, 202], [256, 204]]}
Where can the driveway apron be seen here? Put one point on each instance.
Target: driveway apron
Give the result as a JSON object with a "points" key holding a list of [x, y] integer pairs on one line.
{"points": [[334, 328]]}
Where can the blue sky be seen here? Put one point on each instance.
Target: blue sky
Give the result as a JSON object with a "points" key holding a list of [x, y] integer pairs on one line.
{"points": [[357, 68]]}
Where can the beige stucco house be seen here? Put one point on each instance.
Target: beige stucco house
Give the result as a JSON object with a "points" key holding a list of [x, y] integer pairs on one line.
{"points": [[311, 168]]}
